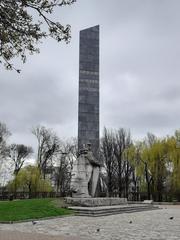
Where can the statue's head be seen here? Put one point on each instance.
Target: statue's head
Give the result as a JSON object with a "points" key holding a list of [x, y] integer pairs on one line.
{"points": [[89, 146], [83, 151]]}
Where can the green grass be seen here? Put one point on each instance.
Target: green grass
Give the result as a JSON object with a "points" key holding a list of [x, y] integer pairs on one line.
{"points": [[31, 209]]}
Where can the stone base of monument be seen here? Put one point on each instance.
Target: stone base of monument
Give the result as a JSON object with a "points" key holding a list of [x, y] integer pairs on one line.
{"points": [[95, 207], [111, 210], [95, 202]]}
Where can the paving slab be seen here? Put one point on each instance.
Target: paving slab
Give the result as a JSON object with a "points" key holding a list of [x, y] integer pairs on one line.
{"points": [[16, 235], [163, 224]]}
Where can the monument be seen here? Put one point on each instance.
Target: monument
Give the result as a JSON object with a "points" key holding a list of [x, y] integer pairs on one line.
{"points": [[86, 168], [88, 112]]}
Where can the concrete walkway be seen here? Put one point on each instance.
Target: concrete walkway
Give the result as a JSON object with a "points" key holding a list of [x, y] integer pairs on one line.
{"points": [[163, 224], [16, 235]]}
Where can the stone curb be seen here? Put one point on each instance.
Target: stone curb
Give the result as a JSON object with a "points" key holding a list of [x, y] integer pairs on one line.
{"points": [[166, 203]]}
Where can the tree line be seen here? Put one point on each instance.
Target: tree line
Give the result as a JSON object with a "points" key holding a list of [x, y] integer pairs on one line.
{"points": [[150, 166], [53, 162], [144, 169]]}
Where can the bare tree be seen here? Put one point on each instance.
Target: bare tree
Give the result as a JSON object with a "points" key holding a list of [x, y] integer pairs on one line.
{"points": [[117, 157], [48, 147], [18, 153], [122, 142], [150, 139], [128, 173], [107, 152], [23, 23], [64, 166]]}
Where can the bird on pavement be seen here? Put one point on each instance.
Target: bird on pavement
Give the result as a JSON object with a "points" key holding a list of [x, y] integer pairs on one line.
{"points": [[34, 222]]}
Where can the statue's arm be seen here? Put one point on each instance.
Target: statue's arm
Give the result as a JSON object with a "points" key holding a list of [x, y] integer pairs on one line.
{"points": [[92, 160]]}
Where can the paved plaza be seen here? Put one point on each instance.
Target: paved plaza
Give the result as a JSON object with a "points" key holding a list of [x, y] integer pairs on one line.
{"points": [[162, 224]]}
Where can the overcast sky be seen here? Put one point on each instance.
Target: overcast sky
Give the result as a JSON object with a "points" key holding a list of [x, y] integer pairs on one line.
{"points": [[139, 72]]}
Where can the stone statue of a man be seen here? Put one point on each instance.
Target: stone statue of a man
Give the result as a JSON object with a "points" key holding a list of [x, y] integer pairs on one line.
{"points": [[85, 168]]}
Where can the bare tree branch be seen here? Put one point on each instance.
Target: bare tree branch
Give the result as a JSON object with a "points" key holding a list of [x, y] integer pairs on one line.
{"points": [[22, 26]]}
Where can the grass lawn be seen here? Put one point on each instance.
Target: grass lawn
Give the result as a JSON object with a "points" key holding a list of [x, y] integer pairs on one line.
{"points": [[31, 209]]}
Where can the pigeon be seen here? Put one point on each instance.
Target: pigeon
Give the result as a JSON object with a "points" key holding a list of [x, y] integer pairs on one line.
{"points": [[171, 218], [130, 221], [98, 229], [34, 222]]}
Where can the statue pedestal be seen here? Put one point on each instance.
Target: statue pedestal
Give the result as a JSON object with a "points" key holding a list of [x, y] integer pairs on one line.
{"points": [[95, 202], [97, 207]]}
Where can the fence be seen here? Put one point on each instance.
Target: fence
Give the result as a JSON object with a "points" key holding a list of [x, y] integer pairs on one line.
{"points": [[26, 195], [133, 196]]}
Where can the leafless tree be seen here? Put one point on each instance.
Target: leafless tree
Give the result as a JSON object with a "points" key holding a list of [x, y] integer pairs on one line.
{"points": [[64, 165], [107, 152], [150, 139], [48, 147], [128, 173], [18, 153], [24, 23], [122, 142], [115, 152]]}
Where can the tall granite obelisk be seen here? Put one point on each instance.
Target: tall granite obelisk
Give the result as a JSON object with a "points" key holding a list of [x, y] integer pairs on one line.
{"points": [[88, 112]]}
